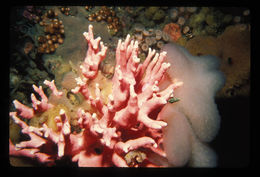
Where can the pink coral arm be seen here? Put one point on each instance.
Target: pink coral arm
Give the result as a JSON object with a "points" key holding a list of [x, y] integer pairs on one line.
{"points": [[23, 110], [42, 105], [53, 88], [121, 126], [93, 58]]}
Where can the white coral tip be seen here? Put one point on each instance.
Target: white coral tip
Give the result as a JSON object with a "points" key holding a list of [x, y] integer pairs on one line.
{"points": [[136, 59], [62, 111], [155, 145], [110, 97]]}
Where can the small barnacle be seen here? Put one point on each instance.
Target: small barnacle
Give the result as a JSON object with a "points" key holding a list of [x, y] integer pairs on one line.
{"points": [[160, 44], [135, 157], [185, 29], [108, 70], [189, 35], [73, 98]]}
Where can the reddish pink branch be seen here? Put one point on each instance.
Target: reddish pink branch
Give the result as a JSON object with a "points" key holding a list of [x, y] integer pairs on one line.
{"points": [[94, 56], [53, 87], [23, 110], [42, 105], [121, 126]]}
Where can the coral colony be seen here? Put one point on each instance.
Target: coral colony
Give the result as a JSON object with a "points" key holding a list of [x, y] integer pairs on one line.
{"points": [[126, 131]]}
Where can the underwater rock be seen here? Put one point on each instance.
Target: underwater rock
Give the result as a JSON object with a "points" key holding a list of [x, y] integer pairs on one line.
{"points": [[235, 42], [14, 79], [203, 45], [25, 46], [36, 75], [233, 48], [110, 16]]}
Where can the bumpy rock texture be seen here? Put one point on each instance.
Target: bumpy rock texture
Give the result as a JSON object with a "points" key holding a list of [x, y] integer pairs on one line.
{"points": [[233, 48]]}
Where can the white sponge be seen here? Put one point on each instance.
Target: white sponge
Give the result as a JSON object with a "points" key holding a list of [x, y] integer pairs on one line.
{"points": [[201, 80], [194, 120]]}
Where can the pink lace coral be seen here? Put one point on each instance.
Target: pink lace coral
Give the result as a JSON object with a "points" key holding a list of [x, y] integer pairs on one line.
{"points": [[127, 123]]}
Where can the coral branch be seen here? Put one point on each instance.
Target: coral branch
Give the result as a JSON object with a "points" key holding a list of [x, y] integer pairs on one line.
{"points": [[127, 117], [31, 153], [155, 70], [42, 105], [118, 161], [93, 58], [40, 136], [81, 87], [53, 87], [23, 110], [135, 144], [126, 123]]}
